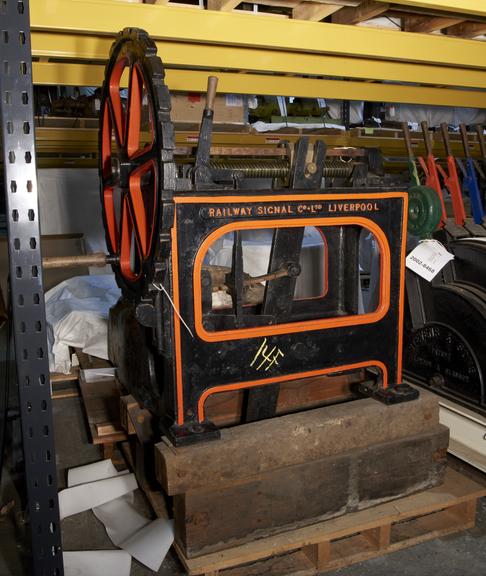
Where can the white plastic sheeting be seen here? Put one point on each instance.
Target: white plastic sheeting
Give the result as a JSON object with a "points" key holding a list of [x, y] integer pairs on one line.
{"points": [[77, 313], [435, 115]]}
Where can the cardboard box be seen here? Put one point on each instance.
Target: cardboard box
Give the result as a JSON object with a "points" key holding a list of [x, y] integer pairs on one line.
{"points": [[228, 108]]}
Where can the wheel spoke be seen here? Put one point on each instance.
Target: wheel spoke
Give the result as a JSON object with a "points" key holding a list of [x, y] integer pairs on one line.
{"points": [[126, 243], [142, 204], [109, 206], [145, 156], [116, 103], [134, 111]]}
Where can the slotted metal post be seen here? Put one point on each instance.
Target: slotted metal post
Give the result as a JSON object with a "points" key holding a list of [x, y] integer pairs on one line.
{"points": [[28, 311]]}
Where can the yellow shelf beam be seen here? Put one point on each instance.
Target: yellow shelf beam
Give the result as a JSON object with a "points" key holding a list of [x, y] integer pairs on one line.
{"points": [[234, 83], [78, 141], [106, 17], [472, 7], [180, 55]]}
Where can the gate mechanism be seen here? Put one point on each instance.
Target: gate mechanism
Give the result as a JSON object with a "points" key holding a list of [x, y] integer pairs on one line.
{"points": [[28, 313], [237, 273]]}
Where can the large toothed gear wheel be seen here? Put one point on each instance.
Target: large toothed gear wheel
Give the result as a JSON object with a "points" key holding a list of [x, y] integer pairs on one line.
{"points": [[137, 168]]}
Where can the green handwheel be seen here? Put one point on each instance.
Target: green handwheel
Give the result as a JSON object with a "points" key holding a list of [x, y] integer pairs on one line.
{"points": [[424, 211]]}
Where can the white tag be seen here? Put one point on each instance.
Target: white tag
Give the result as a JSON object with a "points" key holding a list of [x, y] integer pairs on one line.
{"points": [[428, 258], [252, 102]]}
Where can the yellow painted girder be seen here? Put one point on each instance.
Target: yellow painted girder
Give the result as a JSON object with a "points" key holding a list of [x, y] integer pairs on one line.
{"points": [[473, 7], [54, 141], [106, 17], [177, 54], [272, 85]]}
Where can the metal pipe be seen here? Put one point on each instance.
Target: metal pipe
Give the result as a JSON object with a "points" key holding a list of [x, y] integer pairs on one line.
{"points": [[96, 259]]}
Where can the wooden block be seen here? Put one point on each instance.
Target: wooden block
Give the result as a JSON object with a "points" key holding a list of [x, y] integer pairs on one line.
{"points": [[207, 520], [143, 423], [60, 377], [288, 440], [319, 554], [63, 389], [345, 534], [127, 402], [86, 362], [101, 400], [225, 409], [107, 450], [466, 511], [383, 472], [380, 536]]}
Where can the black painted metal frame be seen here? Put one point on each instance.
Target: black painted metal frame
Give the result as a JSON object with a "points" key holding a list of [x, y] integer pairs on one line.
{"points": [[28, 310], [215, 358]]}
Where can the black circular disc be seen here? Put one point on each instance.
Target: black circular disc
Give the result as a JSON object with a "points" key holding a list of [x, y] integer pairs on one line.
{"points": [[469, 260], [449, 352]]}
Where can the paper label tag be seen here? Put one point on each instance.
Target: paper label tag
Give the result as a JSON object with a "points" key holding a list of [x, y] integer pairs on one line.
{"points": [[428, 258]]}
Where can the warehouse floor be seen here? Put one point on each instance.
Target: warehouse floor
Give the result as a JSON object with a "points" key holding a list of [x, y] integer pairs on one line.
{"points": [[463, 553]]}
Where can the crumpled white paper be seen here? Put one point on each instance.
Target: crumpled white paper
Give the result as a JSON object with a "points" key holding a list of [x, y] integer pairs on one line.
{"points": [[97, 563], [86, 496], [77, 313], [146, 540]]}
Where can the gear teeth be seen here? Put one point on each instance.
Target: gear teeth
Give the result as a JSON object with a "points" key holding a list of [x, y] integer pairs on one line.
{"points": [[139, 46]]}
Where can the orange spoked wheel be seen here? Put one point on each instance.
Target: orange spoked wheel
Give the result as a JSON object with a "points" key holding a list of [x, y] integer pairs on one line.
{"points": [[136, 159]]}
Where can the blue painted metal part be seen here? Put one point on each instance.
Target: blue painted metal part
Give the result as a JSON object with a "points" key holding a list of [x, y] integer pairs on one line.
{"points": [[472, 185]]}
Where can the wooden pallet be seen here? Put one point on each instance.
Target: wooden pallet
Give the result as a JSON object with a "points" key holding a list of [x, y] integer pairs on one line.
{"points": [[351, 538]]}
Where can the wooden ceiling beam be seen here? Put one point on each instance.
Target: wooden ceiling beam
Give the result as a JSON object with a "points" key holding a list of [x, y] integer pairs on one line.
{"points": [[315, 12], [426, 25], [365, 11], [223, 5], [467, 29]]}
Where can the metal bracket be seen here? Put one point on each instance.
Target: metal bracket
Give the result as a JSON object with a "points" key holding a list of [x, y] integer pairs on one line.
{"points": [[28, 310]]}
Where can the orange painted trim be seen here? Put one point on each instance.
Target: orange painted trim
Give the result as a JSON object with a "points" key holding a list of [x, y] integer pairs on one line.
{"points": [[177, 325], [306, 325], [127, 220], [296, 198], [143, 229], [401, 296], [252, 383]]}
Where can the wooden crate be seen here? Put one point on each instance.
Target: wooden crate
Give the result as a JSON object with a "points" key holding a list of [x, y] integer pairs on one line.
{"points": [[352, 538]]}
